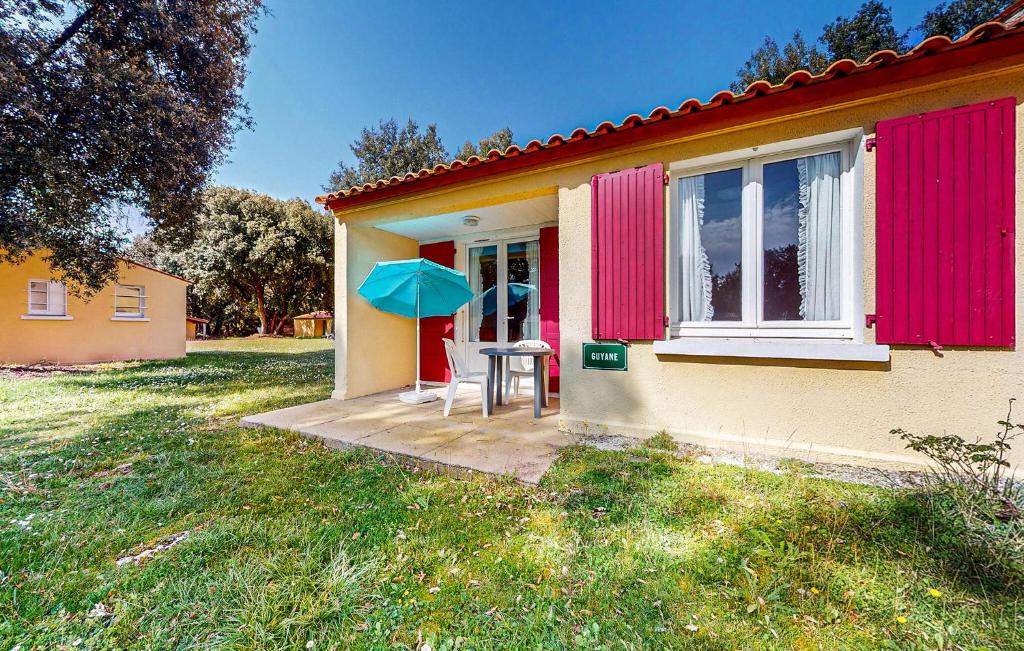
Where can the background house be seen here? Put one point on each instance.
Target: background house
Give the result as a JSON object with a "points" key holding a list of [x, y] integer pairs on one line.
{"points": [[141, 316], [314, 324], [195, 327]]}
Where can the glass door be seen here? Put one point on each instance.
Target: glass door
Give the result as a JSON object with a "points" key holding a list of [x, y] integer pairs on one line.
{"points": [[505, 278], [522, 290]]}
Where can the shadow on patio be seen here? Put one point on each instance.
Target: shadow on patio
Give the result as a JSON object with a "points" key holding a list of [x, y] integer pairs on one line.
{"points": [[511, 442]]}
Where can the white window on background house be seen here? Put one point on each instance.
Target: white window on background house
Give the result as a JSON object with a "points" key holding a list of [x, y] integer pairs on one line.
{"points": [[763, 245], [129, 302], [47, 298]]}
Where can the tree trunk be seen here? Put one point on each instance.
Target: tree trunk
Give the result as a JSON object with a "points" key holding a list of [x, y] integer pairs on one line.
{"points": [[261, 308]]}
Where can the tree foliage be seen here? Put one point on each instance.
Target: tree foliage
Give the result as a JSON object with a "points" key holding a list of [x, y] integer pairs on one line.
{"points": [[107, 104], [954, 19], [500, 140], [856, 37], [389, 150], [869, 30], [254, 257], [770, 63]]}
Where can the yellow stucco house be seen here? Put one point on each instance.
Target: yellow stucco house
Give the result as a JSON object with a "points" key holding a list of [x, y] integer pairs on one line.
{"points": [[195, 327], [141, 316], [795, 269], [313, 324]]}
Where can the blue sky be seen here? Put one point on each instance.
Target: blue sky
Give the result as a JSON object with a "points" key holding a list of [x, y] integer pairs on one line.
{"points": [[321, 70]]}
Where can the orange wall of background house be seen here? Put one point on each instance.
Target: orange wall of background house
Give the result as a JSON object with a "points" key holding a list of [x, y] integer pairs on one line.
{"points": [[91, 336]]}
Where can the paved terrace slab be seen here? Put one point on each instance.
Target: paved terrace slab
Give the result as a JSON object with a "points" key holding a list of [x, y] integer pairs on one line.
{"points": [[511, 442]]}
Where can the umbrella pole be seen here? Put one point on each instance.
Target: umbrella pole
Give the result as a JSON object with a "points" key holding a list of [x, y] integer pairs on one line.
{"points": [[417, 338]]}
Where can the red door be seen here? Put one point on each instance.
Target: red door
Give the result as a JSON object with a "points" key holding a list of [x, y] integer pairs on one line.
{"points": [[549, 297], [433, 362]]}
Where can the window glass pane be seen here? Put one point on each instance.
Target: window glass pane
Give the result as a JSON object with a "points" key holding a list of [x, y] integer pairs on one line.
{"points": [[711, 246], [781, 228], [37, 297], [802, 239], [523, 290], [483, 279], [128, 300]]}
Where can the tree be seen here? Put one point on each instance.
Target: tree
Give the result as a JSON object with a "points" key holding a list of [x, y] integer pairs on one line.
{"points": [[500, 140], [769, 63], [107, 104], [960, 16], [269, 255], [388, 151], [869, 30]]}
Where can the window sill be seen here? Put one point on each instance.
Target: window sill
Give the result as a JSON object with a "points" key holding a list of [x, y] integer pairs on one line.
{"points": [[46, 317], [773, 349], [129, 318]]}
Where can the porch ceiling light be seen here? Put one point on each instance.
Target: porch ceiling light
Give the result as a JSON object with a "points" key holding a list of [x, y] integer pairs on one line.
{"points": [[470, 220]]}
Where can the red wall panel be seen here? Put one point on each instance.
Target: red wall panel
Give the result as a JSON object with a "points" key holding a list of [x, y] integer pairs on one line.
{"points": [[433, 362], [549, 330]]}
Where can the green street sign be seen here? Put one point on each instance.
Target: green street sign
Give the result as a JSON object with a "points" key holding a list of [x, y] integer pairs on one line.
{"points": [[605, 357]]}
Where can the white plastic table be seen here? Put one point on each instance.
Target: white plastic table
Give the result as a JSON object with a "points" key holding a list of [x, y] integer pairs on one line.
{"points": [[495, 355]]}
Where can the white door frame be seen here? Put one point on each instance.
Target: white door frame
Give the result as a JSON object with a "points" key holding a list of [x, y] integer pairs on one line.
{"points": [[471, 349]]}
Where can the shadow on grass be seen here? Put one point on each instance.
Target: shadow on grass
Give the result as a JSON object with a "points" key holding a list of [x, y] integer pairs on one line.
{"points": [[169, 397], [840, 523]]}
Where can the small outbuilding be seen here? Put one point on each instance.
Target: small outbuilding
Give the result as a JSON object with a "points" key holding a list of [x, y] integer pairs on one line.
{"points": [[314, 324], [195, 328]]}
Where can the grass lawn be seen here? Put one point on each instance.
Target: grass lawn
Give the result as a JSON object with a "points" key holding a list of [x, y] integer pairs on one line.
{"points": [[293, 546]]}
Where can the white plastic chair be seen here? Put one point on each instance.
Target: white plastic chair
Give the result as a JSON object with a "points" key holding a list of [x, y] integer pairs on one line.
{"points": [[461, 373], [520, 367]]}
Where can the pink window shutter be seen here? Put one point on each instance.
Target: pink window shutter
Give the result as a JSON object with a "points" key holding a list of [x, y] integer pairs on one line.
{"points": [[945, 227], [627, 254]]}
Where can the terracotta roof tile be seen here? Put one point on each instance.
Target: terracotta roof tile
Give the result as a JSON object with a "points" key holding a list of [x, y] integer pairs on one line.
{"points": [[842, 68]]}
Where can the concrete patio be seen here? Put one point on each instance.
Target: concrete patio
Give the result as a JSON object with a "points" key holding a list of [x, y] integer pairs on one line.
{"points": [[511, 442]]}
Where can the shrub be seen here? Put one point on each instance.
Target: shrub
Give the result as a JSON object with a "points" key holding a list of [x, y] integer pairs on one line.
{"points": [[662, 441], [973, 503]]}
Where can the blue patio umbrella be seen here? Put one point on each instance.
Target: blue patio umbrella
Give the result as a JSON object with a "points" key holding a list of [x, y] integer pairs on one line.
{"points": [[517, 292], [416, 288]]}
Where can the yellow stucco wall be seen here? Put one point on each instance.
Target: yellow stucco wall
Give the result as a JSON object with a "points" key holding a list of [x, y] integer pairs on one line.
{"points": [[375, 350], [312, 327], [309, 327], [91, 336], [818, 410]]}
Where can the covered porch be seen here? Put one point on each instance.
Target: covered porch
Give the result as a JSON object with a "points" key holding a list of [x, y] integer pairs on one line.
{"points": [[510, 443], [508, 249]]}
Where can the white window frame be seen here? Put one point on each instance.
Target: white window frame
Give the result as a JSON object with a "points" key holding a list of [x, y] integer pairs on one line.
{"points": [[48, 312], [130, 316], [751, 161]]}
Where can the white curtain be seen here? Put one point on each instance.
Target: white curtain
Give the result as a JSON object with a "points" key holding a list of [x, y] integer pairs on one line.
{"points": [[694, 267], [476, 305], [57, 303], [531, 329], [820, 237]]}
